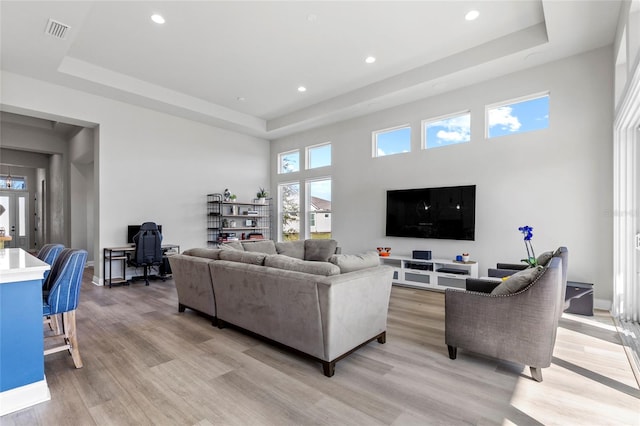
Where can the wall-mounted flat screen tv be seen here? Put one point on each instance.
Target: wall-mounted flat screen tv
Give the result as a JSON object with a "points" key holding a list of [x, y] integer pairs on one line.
{"points": [[444, 213]]}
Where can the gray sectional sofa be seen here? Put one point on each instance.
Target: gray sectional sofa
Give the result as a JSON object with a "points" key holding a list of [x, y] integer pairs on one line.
{"points": [[299, 294]]}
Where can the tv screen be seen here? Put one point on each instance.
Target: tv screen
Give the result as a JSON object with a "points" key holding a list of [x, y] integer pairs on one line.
{"points": [[443, 213], [132, 230]]}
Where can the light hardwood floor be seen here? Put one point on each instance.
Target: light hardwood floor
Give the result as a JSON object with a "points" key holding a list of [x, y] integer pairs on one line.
{"points": [[145, 363]]}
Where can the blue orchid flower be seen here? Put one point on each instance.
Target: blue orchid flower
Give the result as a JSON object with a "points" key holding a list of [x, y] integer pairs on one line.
{"points": [[527, 231]]}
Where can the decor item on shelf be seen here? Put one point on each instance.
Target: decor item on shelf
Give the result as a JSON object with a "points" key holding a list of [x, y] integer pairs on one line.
{"points": [[384, 251], [527, 231], [232, 198], [227, 194], [465, 257], [262, 195]]}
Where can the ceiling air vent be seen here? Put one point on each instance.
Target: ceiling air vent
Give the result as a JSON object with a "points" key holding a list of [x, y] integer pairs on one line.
{"points": [[57, 29]]}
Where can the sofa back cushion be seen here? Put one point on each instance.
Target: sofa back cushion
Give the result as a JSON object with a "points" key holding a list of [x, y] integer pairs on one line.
{"points": [[264, 246], [319, 250], [243, 256], [292, 264], [355, 262], [232, 245], [293, 249], [207, 253]]}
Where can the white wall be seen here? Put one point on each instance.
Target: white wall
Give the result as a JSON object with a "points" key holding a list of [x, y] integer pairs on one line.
{"points": [[557, 180], [151, 166]]}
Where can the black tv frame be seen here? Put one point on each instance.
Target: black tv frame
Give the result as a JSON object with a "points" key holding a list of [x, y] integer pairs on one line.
{"points": [[435, 213]]}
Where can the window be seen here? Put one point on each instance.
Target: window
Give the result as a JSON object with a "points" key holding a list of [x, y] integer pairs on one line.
{"points": [[518, 116], [17, 182], [289, 200], [289, 162], [319, 156], [447, 130], [392, 141], [319, 208]]}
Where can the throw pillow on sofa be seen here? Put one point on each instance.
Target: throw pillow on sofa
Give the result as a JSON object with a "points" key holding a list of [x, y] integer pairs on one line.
{"points": [[518, 281], [292, 264], [355, 262], [319, 250], [264, 246], [243, 256], [293, 249]]}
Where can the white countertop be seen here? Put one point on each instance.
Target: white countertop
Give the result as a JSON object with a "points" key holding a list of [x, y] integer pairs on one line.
{"points": [[18, 265]]}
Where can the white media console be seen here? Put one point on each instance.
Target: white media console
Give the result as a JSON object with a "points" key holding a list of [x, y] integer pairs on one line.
{"points": [[433, 274]]}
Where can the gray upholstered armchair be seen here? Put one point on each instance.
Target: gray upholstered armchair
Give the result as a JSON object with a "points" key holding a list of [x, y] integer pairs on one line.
{"points": [[519, 327]]}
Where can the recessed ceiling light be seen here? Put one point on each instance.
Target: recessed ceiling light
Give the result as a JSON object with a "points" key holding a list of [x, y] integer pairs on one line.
{"points": [[158, 19], [312, 17], [302, 89], [472, 15], [241, 99], [370, 59]]}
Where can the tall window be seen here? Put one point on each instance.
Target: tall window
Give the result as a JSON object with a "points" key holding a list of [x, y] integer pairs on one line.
{"points": [[289, 162], [392, 141], [289, 202], [319, 208], [447, 130], [319, 156], [523, 115]]}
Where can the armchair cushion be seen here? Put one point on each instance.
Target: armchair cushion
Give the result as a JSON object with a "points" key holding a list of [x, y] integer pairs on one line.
{"points": [[544, 258], [518, 281]]}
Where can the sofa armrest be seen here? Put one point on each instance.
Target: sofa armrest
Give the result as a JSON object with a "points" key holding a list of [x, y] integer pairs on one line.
{"points": [[192, 277], [480, 285], [346, 324], [513, 266]]}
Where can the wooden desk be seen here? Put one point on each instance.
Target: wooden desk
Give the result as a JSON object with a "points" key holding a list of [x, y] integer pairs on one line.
{"points": [[121, 254]]}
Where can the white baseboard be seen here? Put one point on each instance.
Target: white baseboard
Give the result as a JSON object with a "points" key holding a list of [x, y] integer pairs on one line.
{"points": [[24, 396], [97, 281], [603, 304]]}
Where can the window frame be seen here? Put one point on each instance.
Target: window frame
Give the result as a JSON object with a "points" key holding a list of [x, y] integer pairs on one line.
{"points": [[283, 154], [443, 117], [308, 155], [280, 228], [307, 206], [512, 101], [374, 139]]}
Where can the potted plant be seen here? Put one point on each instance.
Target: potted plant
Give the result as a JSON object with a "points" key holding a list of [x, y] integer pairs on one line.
{"points": [[232, 198], [262, 195]]}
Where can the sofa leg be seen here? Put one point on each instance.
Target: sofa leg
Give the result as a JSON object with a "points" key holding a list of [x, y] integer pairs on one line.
{"points": [[382, 338], [453, 351], [181, 307], [220, 323], [329, 368], [536, 373]]}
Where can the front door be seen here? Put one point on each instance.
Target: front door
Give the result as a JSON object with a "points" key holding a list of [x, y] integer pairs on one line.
{"points": [[14, 220]]}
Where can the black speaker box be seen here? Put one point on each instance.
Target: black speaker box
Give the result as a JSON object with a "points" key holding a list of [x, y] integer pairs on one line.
{"points": [[422, 254]]}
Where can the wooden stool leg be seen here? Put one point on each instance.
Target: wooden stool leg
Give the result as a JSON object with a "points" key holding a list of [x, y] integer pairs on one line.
{"points": [[55, 325], [69, 320]]}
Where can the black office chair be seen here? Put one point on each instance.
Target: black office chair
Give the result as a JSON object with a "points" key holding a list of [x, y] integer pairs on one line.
{"points": [[148, 250]]}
